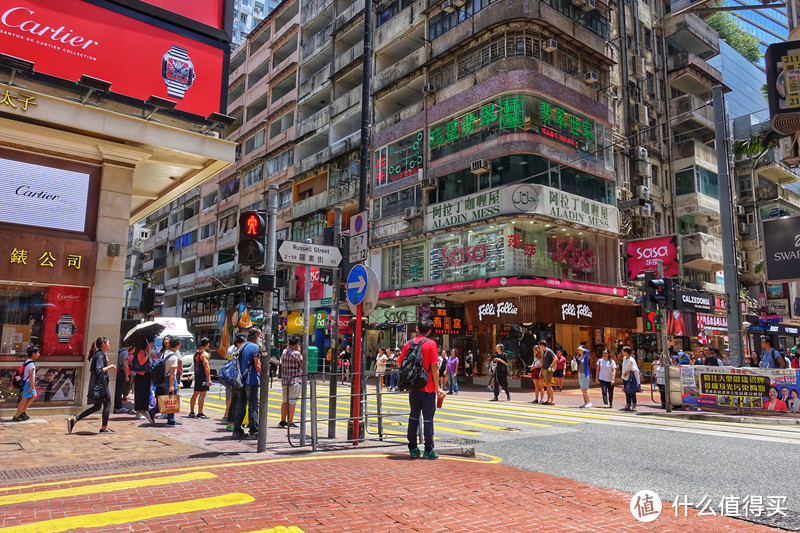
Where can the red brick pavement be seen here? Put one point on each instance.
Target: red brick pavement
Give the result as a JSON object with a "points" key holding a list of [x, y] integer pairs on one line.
{"points": [[369, 493]]}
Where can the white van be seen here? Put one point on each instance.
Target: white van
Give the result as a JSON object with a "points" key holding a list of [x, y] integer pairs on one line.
{"points": [[178, 327]]}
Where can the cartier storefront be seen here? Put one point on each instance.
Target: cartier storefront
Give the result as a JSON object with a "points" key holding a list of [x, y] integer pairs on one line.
{"points": [[48, 222]]}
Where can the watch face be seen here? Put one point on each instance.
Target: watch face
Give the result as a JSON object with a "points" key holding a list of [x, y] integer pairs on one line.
{"points": [[178, 70], [64, 329]]}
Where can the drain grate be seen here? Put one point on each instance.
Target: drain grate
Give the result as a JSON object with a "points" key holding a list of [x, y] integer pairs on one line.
{"points": [[10, 447], [510, 430], [461, 442]]}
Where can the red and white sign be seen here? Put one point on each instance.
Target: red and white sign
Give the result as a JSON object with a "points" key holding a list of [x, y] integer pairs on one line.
{"points": [[70, 38], [317, 288], [644, 254], [64, 327]]}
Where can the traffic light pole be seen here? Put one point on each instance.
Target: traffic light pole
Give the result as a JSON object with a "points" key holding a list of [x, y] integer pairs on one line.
{"points": [[665, 358], [726, 212], [337, 232], [269, 261]]}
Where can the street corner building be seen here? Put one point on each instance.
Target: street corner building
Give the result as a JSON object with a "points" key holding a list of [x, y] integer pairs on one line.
{"points": [[88, 148]]}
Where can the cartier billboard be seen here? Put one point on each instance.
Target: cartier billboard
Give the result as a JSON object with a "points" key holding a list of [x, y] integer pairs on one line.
{"points": [[140, 56]]}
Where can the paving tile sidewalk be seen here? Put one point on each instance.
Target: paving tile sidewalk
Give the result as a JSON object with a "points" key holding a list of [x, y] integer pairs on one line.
{"points": [[352, 493]]}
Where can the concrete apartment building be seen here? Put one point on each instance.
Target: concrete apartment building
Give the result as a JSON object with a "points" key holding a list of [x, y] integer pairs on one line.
{"points": [[191, 247]]}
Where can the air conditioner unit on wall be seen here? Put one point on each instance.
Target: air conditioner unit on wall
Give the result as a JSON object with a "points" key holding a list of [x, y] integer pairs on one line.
{"points": [[411, 212], [144, 234], [643, 192], [588, 5], [320, 217], [644, 114], [591, 77], [637, 69], [643, 168], [428, 88], [640, 153], [647, 210], [744, 228], [428, 183], [449, 7], [550, 45], [459, 3], [481, 166]]}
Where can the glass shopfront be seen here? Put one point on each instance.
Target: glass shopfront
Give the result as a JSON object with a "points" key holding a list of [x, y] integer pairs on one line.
{"points": [[53, 318], [519, 248]]}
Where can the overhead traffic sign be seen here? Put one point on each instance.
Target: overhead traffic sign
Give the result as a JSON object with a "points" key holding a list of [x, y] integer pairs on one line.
{"points": [[301, 253]]}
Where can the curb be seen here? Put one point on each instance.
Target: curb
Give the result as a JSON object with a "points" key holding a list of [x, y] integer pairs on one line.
{"points": [[776, 421], [460, 451]]}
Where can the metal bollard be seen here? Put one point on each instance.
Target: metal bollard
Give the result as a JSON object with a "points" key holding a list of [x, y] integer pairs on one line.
{"points": [[313, 413], [379, 406]]}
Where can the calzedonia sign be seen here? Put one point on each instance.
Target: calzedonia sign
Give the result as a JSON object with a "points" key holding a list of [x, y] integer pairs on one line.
{"points": [[697, 302], [523, 199]]}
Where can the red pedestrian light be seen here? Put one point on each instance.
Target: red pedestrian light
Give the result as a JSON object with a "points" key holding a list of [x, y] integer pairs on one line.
{"points": [[253, 225]]}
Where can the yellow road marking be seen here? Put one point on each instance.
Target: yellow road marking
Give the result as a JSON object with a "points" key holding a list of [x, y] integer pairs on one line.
{"points": [[492, 458], [445, 411], [104, 487], [496, 420], [125, 516], [280, 529]]}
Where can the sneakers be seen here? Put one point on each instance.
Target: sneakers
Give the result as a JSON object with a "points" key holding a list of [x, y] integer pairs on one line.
{"points": [[192, 415], [282, 424], [140, 416], [224, 420], [201, 416], [508, 397], [25, 416], [149, 417], [415, 453], [588, 404], [122, 411], [17, 418], [535, 401], [292, 425], [107, 431], [430, 455], [494, 399], [70, 424], [173, 423], [605, 406]]}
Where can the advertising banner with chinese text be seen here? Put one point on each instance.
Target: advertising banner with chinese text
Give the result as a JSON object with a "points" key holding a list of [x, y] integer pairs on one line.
{"points": [[65, 321], [754, 389]]}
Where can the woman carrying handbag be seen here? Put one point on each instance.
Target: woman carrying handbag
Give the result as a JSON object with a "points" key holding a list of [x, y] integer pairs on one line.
{"points": [[99, 394], [631, 378]]}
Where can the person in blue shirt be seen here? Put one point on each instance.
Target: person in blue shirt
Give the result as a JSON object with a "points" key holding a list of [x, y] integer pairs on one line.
{"points": [[250, 366], [770, 357], [683, 359]]}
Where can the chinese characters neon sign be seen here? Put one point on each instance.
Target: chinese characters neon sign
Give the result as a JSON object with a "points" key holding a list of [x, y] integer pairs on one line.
{"points": [[507, 113]]}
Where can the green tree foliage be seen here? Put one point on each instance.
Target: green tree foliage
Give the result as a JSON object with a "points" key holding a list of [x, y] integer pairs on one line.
{"points": [[733, 34]]}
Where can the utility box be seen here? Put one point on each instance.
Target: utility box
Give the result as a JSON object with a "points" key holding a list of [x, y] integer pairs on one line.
{"points": [[313, 359]]}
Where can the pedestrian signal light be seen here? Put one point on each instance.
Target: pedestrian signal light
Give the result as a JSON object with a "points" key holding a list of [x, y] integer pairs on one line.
{"points": [[252, 233]]}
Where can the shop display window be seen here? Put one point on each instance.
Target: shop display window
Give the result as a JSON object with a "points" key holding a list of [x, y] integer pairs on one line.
{"points": [[53, 318]]}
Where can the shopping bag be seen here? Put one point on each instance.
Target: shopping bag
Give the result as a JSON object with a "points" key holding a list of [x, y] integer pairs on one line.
{"points": [[169, 404]]}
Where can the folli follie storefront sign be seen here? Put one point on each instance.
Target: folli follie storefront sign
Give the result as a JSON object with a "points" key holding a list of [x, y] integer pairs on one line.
{"points": [[551, 310], [43, 259]]}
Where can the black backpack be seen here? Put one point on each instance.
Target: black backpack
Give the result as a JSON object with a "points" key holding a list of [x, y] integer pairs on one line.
{"points": [[413, 374]]}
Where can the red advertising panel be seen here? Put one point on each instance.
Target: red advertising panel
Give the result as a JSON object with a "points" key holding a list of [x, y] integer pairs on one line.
{"points": [[65, 321], [69, 38], [210, 12], [317, 288], [644, 254]]}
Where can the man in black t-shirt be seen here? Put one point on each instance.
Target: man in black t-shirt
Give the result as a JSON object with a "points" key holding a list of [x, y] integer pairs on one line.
{"points": [[548, 367], [500, 372]]}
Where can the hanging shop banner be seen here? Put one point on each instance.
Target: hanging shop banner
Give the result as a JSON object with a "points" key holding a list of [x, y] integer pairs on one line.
{"points": [[712, 324], [65, 321], [694, 301], [644, 254], [757, 389], [317, 288], [522, 199], [782, 248], [294, 323], [782, 62], [70, 38]]}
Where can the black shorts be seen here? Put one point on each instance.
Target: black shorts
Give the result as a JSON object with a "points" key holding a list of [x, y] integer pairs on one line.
{"points": [[558, 374], [199, 386]]}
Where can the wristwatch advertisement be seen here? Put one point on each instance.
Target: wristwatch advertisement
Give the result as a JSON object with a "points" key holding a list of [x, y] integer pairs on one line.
{"points": [[177, 71], [65, 328]]}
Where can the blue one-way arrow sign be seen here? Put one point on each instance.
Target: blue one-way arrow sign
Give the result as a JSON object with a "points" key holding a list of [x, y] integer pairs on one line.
{"points": [[357, 284]]}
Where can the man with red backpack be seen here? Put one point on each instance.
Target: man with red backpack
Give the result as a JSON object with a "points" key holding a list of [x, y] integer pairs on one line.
{"points": [[27, 376], [422, 355]]}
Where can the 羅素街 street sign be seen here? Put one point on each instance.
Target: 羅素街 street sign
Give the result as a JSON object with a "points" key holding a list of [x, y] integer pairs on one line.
{"points": [[301, 253]]}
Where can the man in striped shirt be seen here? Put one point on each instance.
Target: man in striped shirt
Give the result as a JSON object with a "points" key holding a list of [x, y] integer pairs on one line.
{"points": [[291, 379]]}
